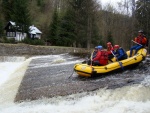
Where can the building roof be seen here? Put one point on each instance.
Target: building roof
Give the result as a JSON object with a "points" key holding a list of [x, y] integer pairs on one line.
{"points": [[34, 30], [12, 23]]}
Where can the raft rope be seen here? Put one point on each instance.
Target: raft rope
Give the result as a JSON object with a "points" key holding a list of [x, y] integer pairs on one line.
{"points": [[119, 65]]}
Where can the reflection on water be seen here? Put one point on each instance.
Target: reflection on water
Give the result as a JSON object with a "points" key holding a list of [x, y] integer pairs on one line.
{"points": [[128, 99]]}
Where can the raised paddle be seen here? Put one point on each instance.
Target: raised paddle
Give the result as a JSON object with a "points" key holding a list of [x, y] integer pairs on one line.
{"points": [[120, 63], [137, 43]]}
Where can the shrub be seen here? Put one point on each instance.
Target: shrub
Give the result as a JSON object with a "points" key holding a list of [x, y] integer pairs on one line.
{"points": [[33, 41], [6, 40]]}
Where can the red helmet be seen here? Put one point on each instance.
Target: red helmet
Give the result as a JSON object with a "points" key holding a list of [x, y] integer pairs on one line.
{"points": [[116, 47], [109, 43]]}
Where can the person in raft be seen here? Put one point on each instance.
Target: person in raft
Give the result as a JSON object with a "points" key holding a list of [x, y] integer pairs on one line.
{"points": [[119, 53], [99, 57], [110, 49], [95, 54], [141, 42]]}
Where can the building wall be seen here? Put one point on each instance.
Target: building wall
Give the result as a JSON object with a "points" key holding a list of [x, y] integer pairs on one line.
{"points": [[19, 36]]}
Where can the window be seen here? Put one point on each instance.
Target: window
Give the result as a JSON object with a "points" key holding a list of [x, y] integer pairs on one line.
{"points": [[13, 34], [8, 34]]}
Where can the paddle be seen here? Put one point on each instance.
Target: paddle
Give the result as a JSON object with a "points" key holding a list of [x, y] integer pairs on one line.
{"points": [[71, 74], [91, 57], [120, 63], [91, 65], [137, 43]]}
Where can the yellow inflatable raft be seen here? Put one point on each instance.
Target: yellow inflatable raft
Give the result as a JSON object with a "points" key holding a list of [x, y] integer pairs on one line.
{"points": [[90, 71]]}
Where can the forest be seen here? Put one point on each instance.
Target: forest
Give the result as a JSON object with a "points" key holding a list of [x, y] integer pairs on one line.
{"points": [[79, 23]]}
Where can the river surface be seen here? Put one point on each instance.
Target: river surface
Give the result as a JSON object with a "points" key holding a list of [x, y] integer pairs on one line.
{"points": [[126, 92]]}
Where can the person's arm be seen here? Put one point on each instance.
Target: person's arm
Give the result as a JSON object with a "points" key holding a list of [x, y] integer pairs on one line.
{"points": [[109, 52], [112, 49], [115, 53], [135, 39], [144, 41]]}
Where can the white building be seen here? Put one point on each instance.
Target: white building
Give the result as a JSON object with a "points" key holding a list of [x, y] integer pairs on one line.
{"points": [[16, 32], [13, 31], [34, 32]]}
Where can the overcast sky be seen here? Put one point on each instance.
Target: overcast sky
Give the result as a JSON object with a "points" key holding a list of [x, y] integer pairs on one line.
{"points": [[113, 2]]}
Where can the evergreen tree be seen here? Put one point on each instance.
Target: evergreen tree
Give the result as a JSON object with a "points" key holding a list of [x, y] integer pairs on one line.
{"points": [[142, 14], [96, 38], [6, 8], [85, 19], [80, 22], [1, 23], [109, 37], [53, 34], [66, 29], [1, 28], [40, 2], [17, 11]]}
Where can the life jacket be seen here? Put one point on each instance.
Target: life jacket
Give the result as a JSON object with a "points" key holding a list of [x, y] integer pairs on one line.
{"points": [[147, 41], [109, 49], [104, 58], [120, 53], [96, 55], [141, 40]]}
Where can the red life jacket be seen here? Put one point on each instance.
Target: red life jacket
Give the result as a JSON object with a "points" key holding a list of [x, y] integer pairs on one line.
{"points": [[109, 49], [97, 55], [104, 58], [141, 40]]}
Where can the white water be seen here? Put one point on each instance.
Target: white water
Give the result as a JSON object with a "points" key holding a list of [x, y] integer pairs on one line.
{"points": [[129, 99]]}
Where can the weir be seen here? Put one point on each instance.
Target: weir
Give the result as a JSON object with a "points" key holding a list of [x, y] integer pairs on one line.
{"points": [[48, 75], [10, 81], [12, 58], [25, 49]]}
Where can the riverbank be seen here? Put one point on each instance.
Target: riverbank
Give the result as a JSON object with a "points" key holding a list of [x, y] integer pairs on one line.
{"points": [[30, 50]]}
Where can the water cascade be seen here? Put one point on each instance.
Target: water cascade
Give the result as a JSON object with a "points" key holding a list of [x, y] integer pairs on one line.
{"points": [[128, 99]]}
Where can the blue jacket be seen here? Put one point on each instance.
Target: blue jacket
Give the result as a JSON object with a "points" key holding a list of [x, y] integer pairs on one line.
{"points": [[120, 54]]}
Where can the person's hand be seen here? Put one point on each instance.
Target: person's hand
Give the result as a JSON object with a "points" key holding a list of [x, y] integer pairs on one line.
{"points": [[146, 47], [116, 55], [116, 60]]}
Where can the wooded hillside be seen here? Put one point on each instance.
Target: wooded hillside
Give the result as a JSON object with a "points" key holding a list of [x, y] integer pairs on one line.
{"points": [[79, 23]]}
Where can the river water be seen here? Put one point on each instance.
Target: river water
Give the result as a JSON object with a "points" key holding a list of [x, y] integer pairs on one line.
{"points": [[128, 99]]}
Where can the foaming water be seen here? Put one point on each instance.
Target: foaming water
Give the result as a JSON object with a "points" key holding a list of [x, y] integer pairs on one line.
{"points": [[54, 60], [12, 58], [10, 80], [146, 81], [6, 69], [129, 99], [8, 65]]}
